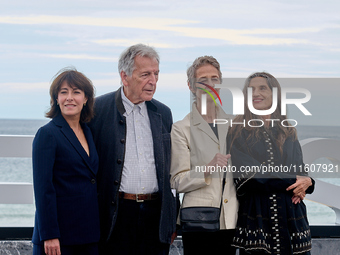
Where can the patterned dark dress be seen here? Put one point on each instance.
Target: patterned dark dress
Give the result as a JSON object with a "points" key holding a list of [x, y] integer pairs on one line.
{"points": [[268, 221]]}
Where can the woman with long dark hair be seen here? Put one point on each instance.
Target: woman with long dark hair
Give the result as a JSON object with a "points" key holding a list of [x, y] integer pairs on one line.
{"points": [[270, 180]]}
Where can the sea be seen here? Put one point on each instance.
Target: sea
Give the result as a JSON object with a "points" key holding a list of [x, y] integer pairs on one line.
{"points": [[20, 170]]}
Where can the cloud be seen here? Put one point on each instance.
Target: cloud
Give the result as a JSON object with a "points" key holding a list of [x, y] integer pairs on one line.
{"points": [[334, 49], [129, 42], [81, 56], [238, 37], [20, 87], [145, 23], [180, 27]]}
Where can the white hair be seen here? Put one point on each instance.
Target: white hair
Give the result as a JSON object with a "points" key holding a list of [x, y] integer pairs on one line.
{"points": [[127, 58]]}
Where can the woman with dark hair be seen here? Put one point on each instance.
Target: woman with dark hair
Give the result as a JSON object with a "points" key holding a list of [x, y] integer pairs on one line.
{"points": [[272, 217], [65, 164]]}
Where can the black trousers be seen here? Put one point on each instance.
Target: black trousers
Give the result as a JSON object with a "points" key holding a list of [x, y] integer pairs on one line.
{"points": [[208, 242], [137, 230], [83, 249]]}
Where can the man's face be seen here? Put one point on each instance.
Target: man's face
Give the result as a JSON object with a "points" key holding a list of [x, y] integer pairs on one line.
{"points": [[141, 85]]}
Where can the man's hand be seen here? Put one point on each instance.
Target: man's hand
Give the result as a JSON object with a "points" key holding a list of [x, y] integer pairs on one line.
{"points": [[52, 247]]}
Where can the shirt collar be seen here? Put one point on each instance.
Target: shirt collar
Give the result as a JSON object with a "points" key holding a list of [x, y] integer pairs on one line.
{"points": [[129, 106]]}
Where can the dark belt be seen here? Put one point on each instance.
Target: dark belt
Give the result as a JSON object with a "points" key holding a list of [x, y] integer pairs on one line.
{"points": [[139, 197]]}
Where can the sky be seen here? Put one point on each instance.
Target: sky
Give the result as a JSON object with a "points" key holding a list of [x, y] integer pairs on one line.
{"points": [[289, 39]]}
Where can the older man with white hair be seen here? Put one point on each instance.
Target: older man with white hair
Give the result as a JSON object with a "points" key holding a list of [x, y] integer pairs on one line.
{"points": [[132, 135]]}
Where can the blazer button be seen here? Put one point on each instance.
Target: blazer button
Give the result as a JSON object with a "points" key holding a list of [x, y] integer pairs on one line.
{"points": [[119, 161], [113, 202], [122, 140], [116, 182], [93, 181], [121, 122], [225, 200]]}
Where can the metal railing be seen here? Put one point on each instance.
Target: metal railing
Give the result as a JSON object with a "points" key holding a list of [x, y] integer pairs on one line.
{"points": [[19, 146]]}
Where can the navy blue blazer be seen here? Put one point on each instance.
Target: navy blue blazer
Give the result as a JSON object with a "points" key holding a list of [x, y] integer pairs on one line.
{"points": [[109, 132], [65, 188]]}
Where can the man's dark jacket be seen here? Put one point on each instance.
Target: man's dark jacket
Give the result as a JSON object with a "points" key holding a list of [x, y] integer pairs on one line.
{"points": [[109, 133]]}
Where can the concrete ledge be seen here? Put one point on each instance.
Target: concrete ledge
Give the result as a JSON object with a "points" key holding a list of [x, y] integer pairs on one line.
{"points": [[177, 247], [320, 246], [16, 247], [325, 246], [26, 247]]}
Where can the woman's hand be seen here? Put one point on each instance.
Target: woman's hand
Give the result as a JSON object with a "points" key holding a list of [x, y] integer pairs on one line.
{"points": [[219, 160], [298, 198], [301, 185], [52, 247], [299, 188]]}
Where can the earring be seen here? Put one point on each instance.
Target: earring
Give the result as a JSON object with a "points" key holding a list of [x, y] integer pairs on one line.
{"points": [[84, 104]]}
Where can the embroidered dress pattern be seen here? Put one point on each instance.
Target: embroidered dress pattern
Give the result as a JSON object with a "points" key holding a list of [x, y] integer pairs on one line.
{"points": [[268, 220]]}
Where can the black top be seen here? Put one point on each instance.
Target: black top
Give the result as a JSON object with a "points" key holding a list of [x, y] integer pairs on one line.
{"points": [[214, 129], [268, 221]]}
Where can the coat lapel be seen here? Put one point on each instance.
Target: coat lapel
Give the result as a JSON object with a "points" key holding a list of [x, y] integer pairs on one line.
{"points": [[197, 120], [156, 129], [93, 158], [223, 128], [72, 138]]}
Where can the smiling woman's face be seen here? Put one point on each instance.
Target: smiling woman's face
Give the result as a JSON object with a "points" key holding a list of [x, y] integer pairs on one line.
{"points": [[71, 100], [262, 94]]}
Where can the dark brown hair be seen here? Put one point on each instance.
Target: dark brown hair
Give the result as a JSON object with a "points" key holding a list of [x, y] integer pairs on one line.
{"points": [[73, 79], [283, 132]]}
